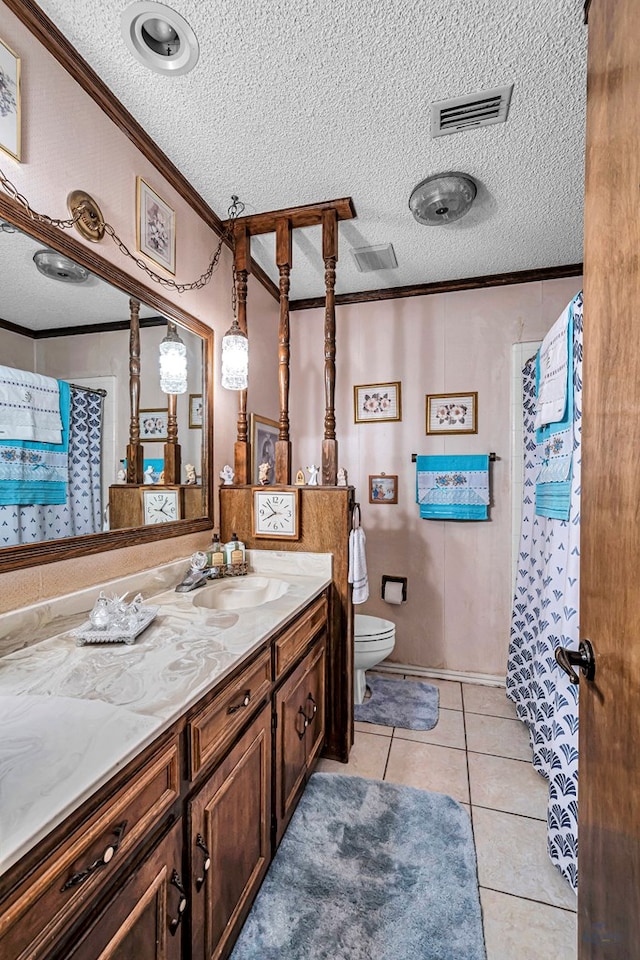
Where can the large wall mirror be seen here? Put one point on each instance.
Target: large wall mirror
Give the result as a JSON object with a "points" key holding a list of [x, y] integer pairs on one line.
{"points": [[69, 320]]}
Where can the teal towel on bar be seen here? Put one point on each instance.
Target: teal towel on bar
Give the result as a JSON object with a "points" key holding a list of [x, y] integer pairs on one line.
{"points": [[554, 444], [453, 487], [32, 471]]}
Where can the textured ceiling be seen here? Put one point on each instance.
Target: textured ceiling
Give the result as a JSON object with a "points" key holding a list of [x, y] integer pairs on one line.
{"points": [[298, 101]]}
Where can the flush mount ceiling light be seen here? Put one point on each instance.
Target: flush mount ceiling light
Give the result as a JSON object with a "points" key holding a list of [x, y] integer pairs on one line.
{"points": [[442, 198], [159, 37], [55, 266]]}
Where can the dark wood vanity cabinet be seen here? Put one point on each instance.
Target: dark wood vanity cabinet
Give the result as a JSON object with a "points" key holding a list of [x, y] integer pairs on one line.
{"points": [[178, 843], [299, 731]]}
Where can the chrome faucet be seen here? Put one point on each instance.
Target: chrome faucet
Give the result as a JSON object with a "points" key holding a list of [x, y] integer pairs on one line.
{"points": [[196, 576]]}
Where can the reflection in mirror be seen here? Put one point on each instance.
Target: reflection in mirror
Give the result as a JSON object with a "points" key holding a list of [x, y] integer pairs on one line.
{"points": [[61, 322]]}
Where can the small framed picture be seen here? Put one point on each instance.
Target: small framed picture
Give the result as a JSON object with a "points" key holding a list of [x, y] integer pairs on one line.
{"points": [[264, 434], [195, 410], [155, 227], [153, 424], [377, 401], [10, 117], [452, 412], [383, 488]]}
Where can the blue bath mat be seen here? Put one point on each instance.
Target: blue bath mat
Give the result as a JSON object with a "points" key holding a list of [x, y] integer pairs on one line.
{"points": [[366, 870], [399, 703]]}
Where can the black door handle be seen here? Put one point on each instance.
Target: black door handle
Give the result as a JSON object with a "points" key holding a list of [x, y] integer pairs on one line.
{"points": [[583, 658]]}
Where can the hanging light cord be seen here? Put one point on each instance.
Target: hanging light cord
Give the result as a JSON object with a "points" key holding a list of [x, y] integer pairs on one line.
{"points": [[235, 209]]}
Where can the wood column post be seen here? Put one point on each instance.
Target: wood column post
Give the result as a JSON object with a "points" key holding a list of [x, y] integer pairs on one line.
{"points": [[242, 446], [330, 256], [134, 447], [283, 261], [172, 447]]}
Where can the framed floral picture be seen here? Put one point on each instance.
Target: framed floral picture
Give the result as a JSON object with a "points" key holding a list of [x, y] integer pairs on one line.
{"points": [[452, 412], [155, 227], [10, 119], [195, 410], [377, 401], [383, 488], [264, 434], [153, 424]]}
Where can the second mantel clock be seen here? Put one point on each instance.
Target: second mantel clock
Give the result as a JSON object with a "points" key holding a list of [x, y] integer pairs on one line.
{"points": [[276, 513], [160, 504]]}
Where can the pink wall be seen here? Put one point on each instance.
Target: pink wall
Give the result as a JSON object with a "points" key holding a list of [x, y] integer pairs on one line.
{"points": [[459, 574], [69, 143]]}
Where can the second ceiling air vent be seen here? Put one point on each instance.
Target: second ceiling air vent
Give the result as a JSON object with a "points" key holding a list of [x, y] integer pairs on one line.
{"points": [[379, 257], [474, 110]]}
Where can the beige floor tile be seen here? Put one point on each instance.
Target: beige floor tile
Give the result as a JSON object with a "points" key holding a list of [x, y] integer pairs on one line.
{"points": [[429, 767], [450, 691], [489, 700], [516, 929], [368, 757], [362, 727], [512, 858], [509, 785], [495, 735], [448, 731]]}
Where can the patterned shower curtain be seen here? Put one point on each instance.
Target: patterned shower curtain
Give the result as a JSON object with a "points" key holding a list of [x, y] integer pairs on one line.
{"points": [[545, 616], [82, 512]]}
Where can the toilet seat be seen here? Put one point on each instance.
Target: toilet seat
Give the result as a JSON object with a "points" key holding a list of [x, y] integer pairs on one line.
{"points": [[368, 628]]}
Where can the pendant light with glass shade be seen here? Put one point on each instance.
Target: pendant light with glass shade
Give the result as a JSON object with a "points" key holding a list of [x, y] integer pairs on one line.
{"points": [[235, 343], [173, 362]]}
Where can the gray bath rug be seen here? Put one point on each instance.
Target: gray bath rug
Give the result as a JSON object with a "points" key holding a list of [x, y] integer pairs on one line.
{"points": [[399, 703], [369, 870]]}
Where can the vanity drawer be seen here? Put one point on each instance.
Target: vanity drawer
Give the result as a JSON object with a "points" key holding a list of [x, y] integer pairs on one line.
{"points": [[52, 897], [293, 642], [212, 729]]}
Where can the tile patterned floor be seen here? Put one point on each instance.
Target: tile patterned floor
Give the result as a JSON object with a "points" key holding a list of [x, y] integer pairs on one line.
{"points": [[479, 754]]}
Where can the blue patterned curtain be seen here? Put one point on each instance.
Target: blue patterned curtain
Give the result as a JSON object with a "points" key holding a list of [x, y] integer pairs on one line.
{"points": [[82, 512], [545, 616]]}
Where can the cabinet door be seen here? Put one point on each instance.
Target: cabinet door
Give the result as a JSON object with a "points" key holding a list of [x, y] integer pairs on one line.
{"points": [[299, 706], [230, 841], [142, 919]]}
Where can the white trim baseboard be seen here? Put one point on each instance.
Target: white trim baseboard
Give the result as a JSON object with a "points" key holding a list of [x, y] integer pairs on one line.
{"points": [[482, 679]]}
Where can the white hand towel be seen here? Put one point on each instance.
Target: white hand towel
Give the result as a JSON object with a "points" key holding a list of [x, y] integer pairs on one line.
{"points": [[552, 390], [29, 406], [358, 566]]}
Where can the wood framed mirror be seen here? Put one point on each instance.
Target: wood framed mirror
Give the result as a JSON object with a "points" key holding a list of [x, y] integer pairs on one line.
{"points": [[36, 333]]}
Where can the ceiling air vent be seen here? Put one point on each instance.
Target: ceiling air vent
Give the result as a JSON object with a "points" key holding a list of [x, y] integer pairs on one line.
{"points": [[474, 110], [379, 257]]}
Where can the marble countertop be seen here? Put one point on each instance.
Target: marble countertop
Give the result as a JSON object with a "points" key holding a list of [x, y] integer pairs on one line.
{"points": [[71, 717]]}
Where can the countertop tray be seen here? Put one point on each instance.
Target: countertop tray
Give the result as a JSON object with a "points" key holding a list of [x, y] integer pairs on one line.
{"points": [[87, 633]]}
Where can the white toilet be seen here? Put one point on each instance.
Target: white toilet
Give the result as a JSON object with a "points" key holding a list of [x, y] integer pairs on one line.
{"points": [[374, 639]]}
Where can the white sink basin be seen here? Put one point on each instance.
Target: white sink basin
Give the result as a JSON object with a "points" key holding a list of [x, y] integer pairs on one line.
{"points": [[240, 593]]}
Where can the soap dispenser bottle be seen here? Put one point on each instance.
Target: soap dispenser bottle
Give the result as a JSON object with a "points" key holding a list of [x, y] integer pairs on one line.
{"points": [[215, 553], [234, 551]]}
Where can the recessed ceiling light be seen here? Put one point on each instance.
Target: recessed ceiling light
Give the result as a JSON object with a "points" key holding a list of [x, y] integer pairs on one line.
{"points": [[442, 198], [159, 38]]}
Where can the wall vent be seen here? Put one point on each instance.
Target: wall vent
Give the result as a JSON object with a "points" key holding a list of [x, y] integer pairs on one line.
{"points": [[474, 110], [379, 257]]}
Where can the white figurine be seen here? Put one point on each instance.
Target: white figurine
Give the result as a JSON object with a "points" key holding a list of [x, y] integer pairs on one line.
{"points": [[191, 474], [149, 475], [227, 475], [342, 477], [264, 471], [122, 476], [313, 475]]}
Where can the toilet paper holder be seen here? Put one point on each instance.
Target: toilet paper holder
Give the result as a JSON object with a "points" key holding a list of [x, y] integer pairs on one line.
{"points": [[402, 580]]}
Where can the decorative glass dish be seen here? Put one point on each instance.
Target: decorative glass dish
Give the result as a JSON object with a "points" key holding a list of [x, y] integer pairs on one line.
{"points": [[125, 632]]}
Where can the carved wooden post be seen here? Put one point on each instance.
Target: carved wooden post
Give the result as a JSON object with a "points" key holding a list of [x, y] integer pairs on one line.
{"points": [[283, 261], [134, 447], [330, 255], [242, 446], [172, 455]]}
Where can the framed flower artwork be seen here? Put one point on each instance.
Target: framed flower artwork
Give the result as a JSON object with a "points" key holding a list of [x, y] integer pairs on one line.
{"points": [[9, 101], [377, 401], [155, 227], [452, 412]]}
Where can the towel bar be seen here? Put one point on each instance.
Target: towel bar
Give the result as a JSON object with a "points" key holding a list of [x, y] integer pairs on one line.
{"points": [[492, 457]]}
